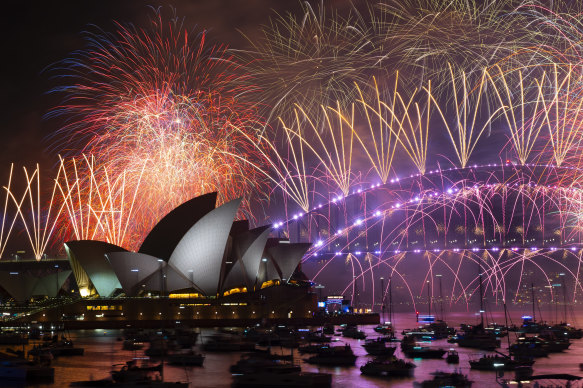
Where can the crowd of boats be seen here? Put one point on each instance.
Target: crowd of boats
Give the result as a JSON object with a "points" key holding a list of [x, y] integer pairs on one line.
{"points": [[260, 366], [34, 364], [532, 340]]}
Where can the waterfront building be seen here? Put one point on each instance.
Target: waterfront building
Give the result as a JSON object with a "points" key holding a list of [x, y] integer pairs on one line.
{"points": [[197, 263]]}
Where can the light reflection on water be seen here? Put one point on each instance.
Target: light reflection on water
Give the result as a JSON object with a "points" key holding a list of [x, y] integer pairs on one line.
{"points": [[102, 350]]}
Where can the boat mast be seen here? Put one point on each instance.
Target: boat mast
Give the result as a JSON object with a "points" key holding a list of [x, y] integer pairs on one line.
{"points": [[428, 298], [441, 298], [481, 294], [506, 324], [382, 299], [532, 297], [355, 295], [391, 300], [564, 298]]}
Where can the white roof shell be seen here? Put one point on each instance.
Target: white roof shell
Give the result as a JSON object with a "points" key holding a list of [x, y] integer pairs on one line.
{"points": [[201, 250], [287, 257], [133, 269], [22, 286], [90, 255]]}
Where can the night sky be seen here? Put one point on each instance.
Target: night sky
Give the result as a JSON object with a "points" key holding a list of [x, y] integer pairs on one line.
{"points": [[36, 35]]}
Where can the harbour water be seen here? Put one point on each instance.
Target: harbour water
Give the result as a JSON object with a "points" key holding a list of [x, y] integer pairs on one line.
{"points": [[102, 350]]}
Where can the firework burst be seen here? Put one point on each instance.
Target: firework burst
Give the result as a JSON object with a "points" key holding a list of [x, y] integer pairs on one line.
{"points": [[164, 102], [313, 59]]}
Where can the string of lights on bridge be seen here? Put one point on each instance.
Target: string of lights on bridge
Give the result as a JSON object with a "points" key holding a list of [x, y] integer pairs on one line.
{"points": [[435, 194]]}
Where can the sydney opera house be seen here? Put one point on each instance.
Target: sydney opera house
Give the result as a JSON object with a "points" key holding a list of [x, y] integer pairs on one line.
{"points": [[197, 263]]}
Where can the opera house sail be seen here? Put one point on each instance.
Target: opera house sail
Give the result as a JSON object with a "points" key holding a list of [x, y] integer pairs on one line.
{"points": [[197, 262]]}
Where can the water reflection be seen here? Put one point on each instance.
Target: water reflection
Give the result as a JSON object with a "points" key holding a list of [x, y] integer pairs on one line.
{"points": [[102, 350]]}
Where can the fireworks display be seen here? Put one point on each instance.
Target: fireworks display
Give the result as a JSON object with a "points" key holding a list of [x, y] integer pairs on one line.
{"points": [[160, 106], [403, 140], [313, 58]]}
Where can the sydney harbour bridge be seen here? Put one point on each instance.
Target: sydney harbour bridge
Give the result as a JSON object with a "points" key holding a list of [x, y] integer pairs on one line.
{"points": [[433, 235]]}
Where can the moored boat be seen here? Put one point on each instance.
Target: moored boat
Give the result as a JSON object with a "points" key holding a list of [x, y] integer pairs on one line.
{"points": [[311, 348], [385, 329], [317, 337], [160, 347], [443, 379], [554, 343], [424, 352], [476, 337], [20, 369], [388, 367], [334, 356], [328, 329], [148, 383], [254, 364], [431, 331], [529, 347], [412, 350], [131, 375], [353, 332], [293, 379], [531, 326], [12, 338], [60, 348], [190, 358], [131, 371], [220, 343], [131, 344], [452, 357], [498, 362], [378, 347], [565, 329]]}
